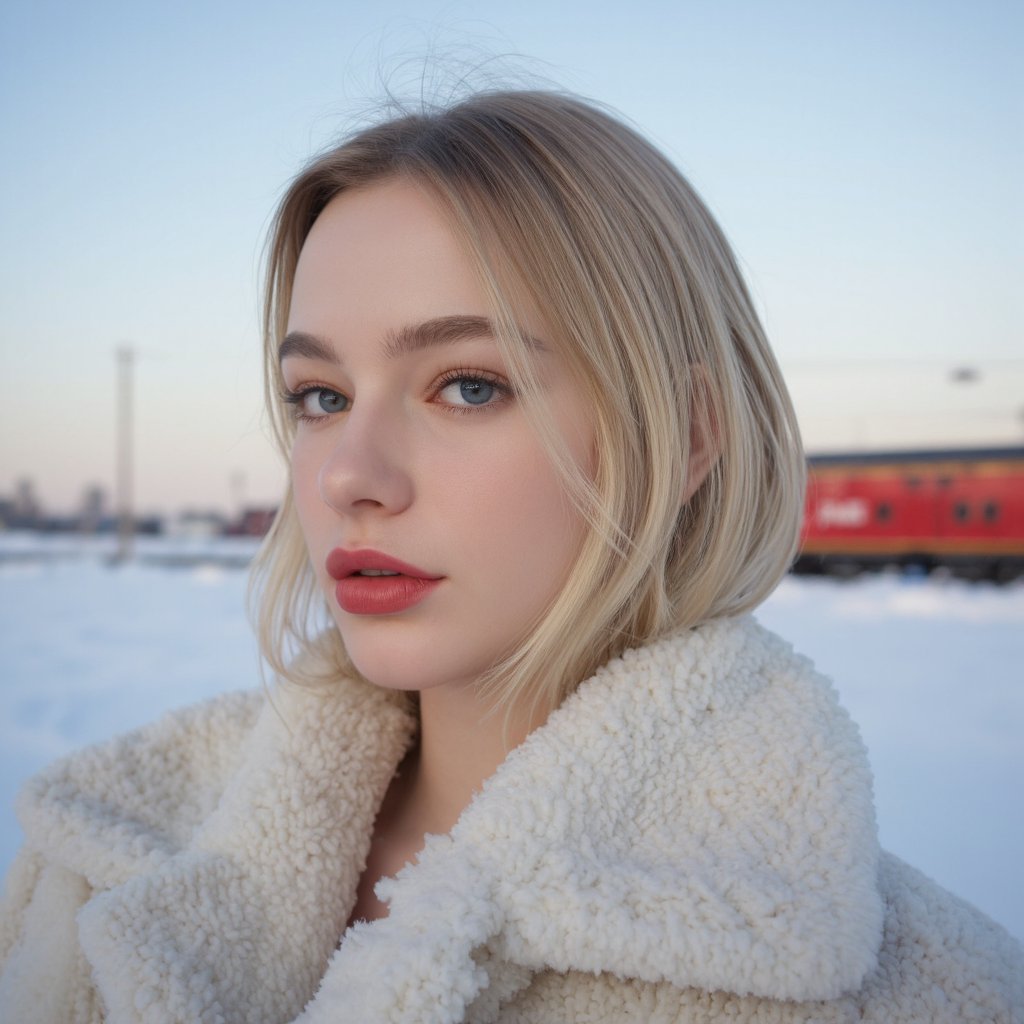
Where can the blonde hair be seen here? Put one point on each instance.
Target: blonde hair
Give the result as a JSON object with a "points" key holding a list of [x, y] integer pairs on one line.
{"points": [[568, 209]]}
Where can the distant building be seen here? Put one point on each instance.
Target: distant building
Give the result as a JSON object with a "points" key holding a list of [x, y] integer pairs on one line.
{"points": [[26, 504], [93, 510], [23, 511], [192, 523], [252, 522]]}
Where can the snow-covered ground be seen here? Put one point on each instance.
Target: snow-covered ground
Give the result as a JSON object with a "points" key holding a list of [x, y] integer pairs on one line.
{"points": [[932, 670]]}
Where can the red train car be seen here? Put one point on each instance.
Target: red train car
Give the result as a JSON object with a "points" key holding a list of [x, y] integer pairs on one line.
{"points": [[962, 509]]}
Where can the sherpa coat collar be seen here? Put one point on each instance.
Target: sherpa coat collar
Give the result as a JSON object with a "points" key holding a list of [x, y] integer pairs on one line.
{"points": [[698, 812]]}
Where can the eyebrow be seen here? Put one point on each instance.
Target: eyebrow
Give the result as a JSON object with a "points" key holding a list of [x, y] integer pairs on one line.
{"points": [[442, 330]]}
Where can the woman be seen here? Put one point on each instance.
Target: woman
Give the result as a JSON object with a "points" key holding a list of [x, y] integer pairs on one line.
{"points": [[539, 766]]}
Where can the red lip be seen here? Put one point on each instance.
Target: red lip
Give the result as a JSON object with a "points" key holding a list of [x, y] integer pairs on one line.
{"points": [[377, 595], [342, 563]]}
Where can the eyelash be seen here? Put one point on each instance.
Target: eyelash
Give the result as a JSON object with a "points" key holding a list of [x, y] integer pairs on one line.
{"points": [[457, 376], [297, 397], [501, 386]]}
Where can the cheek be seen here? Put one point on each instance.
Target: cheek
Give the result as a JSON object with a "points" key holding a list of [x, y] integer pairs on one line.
{"points": [[311, 452], [310, 509], [516, 518], [300, 481]]}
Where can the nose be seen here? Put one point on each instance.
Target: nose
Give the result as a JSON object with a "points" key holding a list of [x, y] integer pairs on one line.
{"points": [[366, 469]]}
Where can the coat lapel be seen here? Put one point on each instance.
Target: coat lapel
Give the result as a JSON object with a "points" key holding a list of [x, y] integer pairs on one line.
{"points": [[240, 923], [699, 813]]}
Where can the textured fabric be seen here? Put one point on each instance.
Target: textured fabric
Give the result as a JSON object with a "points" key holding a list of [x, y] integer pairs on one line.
{"points": [[690, 837]]}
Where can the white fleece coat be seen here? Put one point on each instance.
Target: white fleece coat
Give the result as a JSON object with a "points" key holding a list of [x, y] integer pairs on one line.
{"points": [[689, 838]]}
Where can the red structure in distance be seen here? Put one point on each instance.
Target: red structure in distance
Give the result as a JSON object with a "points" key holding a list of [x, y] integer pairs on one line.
{"points": [[959, 508]]}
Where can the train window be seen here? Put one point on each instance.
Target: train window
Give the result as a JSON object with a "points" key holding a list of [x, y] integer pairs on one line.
{"points": [[990, 511], [961, 511], [913, 482], [945, 481], [883, 513]]}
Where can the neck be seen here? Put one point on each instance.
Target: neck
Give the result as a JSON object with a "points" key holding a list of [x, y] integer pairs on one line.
{"points": [[462, 743]]}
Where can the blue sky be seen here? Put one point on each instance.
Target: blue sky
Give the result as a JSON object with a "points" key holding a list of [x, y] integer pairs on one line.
{"points": [[865, 160]]}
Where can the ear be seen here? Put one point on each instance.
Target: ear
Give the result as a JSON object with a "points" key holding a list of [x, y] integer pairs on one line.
{"points": [[705, 433]]}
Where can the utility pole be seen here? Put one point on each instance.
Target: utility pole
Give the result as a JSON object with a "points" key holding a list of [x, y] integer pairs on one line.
{"points": [[125, 509]]}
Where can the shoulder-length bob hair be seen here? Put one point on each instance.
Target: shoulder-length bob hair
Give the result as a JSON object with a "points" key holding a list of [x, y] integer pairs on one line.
{"points": [[564, 207]]}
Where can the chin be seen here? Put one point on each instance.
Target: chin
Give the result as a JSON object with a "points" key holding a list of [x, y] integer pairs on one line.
{"points": [[413, 669], [389, 664], [390, 677]]}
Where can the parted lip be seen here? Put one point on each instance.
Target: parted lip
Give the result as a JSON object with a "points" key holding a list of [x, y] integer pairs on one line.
{"points": [[342, 563]]}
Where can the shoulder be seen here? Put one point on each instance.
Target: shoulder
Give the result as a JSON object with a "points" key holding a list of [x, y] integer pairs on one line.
{"points": [[145, 791], [778, 807], [941, 958], [95, 819], [941, 961]]}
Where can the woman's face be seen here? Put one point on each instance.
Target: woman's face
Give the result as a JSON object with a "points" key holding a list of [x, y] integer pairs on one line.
{"points": [[435, 522]]}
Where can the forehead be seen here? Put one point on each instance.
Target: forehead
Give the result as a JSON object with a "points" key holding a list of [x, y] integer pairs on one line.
{"points": [[382, 252], [383, 275]]}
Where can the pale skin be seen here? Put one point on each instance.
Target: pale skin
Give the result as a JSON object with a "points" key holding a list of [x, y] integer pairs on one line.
{"points": [[411, 442]]}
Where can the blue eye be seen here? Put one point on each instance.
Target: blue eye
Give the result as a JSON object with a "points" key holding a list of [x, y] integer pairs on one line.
{"points": [[463, 390], [476, 392], [325, 400], [316, 403]]}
